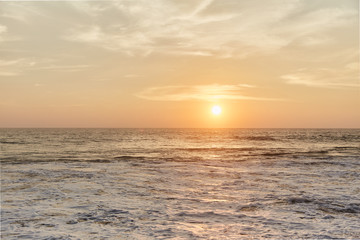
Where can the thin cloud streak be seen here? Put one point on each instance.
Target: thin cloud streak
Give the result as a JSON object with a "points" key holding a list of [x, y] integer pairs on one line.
{"points": [[65, 68], [310, 82], [211, 92], [21, 62], [21, 66], [15, 67], [202, 6], [9, 74], [345, 77]]}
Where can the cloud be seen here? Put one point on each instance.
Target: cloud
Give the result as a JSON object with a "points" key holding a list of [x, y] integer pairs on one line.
{"points": [[20, 62], [94, 9], [15, 67], [208, 28], [20, 66], [9, 63], [3, 30], [8, 74], [64, 68], [346, 77], [21, 11], [131, 43], [211, 92], [202, 6]]}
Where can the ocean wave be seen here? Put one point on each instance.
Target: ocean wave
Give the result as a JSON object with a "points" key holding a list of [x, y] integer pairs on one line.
{"points": [[339, 208], [12, 142], [336, 163], [129, 158], [347, 148], [255, 138], [43, 159], [249, 207], [182, 159], [316, 152], [114, 217], [295, 200], [219, 149], [271, 154], [325, 205], [208, 215]]}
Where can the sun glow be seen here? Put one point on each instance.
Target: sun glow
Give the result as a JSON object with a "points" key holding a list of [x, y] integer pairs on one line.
{"points": [[216, 110]]}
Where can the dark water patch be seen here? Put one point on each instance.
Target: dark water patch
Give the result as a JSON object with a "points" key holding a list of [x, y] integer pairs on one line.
{"points": [[17, 161], [58, 238], [67, 159], [128, 158], [49, 225], [316, 152], [295, 200], [12, 142], [114, 212], [334, 163], [321, 154], [71, 222], [183, 159], [322, 236], [274, 154], [339, 208], [99, 161], [319, 162], [249, 207], [9, 159], [26, 222], [115, 217], [313, 154], [327, 206]]}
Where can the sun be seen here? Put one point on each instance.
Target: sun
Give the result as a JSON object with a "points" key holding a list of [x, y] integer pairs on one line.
{"points": [[216, 110]]}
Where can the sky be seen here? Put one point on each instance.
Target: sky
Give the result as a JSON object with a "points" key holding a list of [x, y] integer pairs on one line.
{"points": [[165, 63]]}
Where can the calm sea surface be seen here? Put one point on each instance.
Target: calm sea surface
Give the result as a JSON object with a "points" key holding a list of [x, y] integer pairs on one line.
{"points": [[180, 183]]}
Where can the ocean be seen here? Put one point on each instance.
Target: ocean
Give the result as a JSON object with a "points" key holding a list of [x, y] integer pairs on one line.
{"points": [[180, 183]]}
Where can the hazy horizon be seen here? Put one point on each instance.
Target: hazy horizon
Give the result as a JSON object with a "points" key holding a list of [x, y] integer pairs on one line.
{"points": [[109, 127], [165, 64]]}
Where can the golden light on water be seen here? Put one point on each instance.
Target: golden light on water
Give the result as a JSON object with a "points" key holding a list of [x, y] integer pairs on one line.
{"points": [[216, 110]]}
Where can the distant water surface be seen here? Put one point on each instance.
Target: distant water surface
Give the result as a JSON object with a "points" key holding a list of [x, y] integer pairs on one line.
{"points": [[180, 183]]}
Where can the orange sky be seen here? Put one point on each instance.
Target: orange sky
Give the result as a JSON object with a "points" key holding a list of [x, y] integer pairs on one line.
{"points": [[165, 63]]}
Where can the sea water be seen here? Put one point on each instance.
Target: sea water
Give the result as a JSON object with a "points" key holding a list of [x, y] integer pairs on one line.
{"points": [[180, 183]]}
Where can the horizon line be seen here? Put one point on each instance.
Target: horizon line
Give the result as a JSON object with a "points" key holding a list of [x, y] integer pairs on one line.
{"points": [[179, 127]]}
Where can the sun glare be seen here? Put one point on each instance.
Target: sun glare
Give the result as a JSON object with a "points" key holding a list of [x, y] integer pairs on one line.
{"points": [[216, 110]]}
